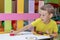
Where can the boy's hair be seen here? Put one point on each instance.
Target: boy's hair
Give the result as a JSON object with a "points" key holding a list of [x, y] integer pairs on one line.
{"points": [[48, 7]]}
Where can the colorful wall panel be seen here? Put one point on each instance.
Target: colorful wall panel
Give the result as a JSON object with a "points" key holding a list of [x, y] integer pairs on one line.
{"points": [[20, 10], [8, 9], [26, 7], [21, 6], [1, 6], [31, 8], [1, 11], [41, 3], [36, 6], [14, 10]]}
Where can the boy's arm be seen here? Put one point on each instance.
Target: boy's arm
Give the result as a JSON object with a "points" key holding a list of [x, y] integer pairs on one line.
{"points": [[55, 34], [23, 29], [55, 30]]}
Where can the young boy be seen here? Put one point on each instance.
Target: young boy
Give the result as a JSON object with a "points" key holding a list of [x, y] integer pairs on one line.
{"points": [[44, 24]]}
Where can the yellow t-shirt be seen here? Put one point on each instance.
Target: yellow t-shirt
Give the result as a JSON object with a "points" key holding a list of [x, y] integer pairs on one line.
{"points": [[40, 26]]}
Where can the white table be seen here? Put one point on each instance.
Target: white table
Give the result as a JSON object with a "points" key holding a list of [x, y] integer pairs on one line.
{"points": [[24, 36]]}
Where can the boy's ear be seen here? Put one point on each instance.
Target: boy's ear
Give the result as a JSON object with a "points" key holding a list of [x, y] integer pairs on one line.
{"points": [[51, 15]]}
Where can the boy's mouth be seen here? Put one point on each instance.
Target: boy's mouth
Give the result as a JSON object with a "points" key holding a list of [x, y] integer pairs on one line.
{"points": [[42, 19]]}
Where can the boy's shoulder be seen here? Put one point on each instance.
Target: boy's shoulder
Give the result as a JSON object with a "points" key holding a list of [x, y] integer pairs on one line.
{"points": [[53, 21]]}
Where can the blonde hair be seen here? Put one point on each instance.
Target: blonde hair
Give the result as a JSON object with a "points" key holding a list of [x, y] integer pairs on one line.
{"points": [[48, 7]]}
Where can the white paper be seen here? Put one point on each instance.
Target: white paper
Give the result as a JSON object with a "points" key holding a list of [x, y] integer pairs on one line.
{"points": [[22, 37]]}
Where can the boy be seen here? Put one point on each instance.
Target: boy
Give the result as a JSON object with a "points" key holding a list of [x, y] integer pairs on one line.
{"points": [[44, 24]]}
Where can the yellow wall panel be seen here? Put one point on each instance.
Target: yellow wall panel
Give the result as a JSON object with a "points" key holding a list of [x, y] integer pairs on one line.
{"points": [[20, 10]]}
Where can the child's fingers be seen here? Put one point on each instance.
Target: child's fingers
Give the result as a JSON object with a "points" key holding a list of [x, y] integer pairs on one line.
{"points": [[11, 31], [47, 32]]}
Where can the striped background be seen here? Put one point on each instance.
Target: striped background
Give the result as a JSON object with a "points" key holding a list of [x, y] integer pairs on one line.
{"points": [[19, 7]]}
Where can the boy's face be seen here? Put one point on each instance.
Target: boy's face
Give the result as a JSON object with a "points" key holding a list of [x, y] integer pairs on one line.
{"points": [[44, 15]]}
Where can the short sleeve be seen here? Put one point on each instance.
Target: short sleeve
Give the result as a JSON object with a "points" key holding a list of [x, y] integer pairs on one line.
{"points": [[55, 27], [34, 23]]}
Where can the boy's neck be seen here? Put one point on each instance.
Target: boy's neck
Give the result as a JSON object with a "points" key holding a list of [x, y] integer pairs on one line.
{"points": [[47, 22]]}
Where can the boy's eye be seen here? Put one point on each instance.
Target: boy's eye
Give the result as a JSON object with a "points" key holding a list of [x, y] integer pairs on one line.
{"points": [[43, 15]]}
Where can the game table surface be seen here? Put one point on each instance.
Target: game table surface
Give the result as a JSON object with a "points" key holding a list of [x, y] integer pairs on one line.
{"points": [[23, 36]]}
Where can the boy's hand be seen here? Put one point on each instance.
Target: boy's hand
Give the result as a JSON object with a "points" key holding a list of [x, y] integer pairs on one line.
{"points": [[12, 33], [34, 32], [47, 32]]}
